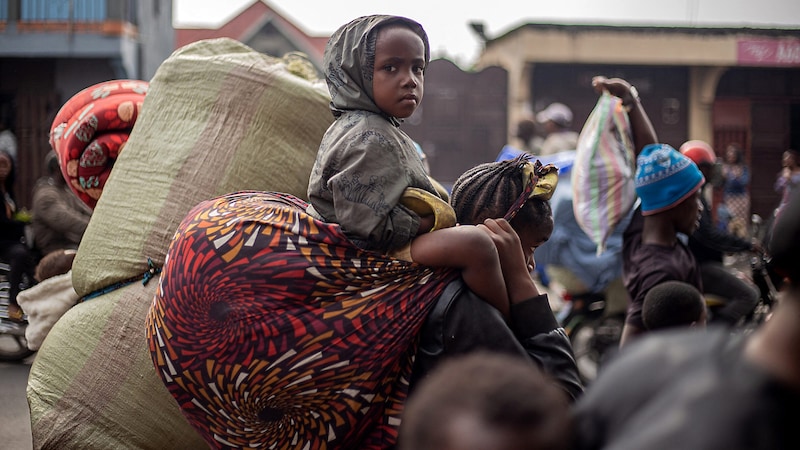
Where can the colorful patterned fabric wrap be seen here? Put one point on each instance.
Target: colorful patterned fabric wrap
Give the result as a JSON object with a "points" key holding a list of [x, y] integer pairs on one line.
{"points": [[91, 129], [272, 330]]}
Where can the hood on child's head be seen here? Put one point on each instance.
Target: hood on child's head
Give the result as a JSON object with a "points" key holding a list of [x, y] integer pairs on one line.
{"points": [[350, 57]]}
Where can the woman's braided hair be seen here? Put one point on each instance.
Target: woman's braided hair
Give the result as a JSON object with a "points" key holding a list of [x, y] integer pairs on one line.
{"points": [[487, 191]]}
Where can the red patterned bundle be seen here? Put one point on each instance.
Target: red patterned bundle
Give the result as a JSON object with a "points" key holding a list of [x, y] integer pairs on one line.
{"points": [[91, 129], [272, 330]]}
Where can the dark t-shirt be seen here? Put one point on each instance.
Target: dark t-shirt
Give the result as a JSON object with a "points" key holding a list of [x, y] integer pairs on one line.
{"points": [[646, 265], [687, 390], [461, 323]]}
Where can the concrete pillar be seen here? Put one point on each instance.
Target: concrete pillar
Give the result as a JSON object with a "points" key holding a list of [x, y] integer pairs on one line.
{"points": [[703, 83]]}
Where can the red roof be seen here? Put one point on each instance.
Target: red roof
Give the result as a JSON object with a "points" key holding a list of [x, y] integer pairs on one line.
{"points": [[248, 22]]}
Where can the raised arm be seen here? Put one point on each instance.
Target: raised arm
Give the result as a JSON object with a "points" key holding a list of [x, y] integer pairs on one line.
{"points": [[643, 135], [642, 128]]}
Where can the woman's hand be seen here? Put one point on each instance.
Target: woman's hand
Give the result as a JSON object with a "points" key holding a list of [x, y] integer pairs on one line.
{"points": [[507, 242], [513, 260]]}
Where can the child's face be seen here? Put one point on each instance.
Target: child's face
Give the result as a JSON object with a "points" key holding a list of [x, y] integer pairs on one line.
{"points": [[398, 74]]}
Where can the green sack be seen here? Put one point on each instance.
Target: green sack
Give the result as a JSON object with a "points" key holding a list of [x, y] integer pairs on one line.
{"points": [[93, 385], [219, 117]]}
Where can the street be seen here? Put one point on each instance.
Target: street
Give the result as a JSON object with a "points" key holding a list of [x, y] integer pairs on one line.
{"points": [[15, 425]]}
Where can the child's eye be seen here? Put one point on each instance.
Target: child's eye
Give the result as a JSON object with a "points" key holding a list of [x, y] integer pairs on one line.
{"points": [[389, 68], [419, 69]]}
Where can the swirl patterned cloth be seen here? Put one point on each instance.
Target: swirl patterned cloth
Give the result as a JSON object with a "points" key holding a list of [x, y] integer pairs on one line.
{"points": [[91, 129], [272, 330]]}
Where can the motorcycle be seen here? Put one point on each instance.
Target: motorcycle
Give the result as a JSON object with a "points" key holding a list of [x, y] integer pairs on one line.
{"points": [[763, 279], [13, 345], [593, 322]]}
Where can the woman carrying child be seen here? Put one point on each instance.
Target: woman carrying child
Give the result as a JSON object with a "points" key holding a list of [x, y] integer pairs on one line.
{"points": [[375, 68]]}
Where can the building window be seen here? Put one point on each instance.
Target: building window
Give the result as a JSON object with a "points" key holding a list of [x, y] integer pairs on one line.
{"points": [[63, 10]]}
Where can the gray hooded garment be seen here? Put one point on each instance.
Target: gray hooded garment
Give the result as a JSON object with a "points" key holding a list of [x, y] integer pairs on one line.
{"points": [[365, 161]]}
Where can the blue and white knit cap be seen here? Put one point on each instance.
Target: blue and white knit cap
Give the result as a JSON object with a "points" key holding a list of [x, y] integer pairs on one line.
{"points": [[665, 178]]}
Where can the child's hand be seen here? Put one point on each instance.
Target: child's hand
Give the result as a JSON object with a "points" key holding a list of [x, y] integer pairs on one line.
{"points": [[426, 224]]}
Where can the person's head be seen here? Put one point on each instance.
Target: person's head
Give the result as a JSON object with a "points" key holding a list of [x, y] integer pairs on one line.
{"points": [[486, 401], [734, 154], [7, 171], [555, 117], [784, 243], [490, 190], [377, 63], [526, 129], [701, 154], [668, 184], [791, 159], [673, 304], [53, 167], [57, 262]]}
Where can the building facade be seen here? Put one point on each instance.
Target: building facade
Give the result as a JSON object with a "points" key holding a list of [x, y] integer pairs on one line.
{"points": [[721, 85], [263, 29], [51, 49]]}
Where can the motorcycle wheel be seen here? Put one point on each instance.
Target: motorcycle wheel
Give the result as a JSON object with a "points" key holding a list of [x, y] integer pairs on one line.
{"points": [[593, 342]]}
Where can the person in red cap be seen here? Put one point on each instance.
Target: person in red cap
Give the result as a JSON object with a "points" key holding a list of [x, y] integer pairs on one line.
{"points": [[709, 244]]}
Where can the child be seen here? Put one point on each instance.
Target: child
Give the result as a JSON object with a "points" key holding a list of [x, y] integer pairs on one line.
{"points": [[673, 304], [374, 67], [486, 400]]}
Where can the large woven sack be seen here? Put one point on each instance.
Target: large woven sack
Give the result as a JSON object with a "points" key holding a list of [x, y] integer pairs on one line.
{"points": [[603, 190], [93, 386], [219, 117]]}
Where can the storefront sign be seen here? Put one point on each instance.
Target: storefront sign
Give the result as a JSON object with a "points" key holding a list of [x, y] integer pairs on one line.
{"points": [[775, 52]]}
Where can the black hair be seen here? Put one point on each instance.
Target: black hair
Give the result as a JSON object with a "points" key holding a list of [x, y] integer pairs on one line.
{"points": [[672, 304], [501, 392], [57, 262], [488, 190]]}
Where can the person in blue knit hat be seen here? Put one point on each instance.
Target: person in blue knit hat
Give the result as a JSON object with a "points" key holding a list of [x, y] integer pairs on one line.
{"points": [[665, 178], [668, 185]]}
